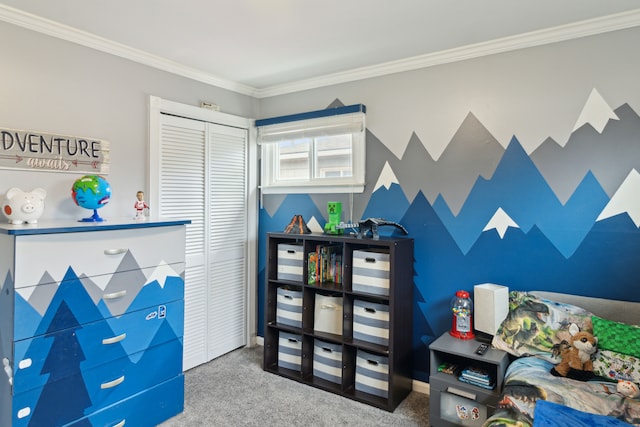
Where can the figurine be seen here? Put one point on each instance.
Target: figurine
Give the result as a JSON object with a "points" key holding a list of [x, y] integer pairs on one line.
{"points": [[140, 205]]}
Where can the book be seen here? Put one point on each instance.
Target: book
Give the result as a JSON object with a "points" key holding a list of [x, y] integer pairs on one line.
{"points": [[448, 368]]}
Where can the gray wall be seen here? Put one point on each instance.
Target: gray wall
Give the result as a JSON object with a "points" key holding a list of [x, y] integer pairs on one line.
{"points": [[53, 86]]}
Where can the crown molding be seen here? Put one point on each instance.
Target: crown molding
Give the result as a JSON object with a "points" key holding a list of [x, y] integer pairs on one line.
{"points": [[571, 31], [65, 32]]}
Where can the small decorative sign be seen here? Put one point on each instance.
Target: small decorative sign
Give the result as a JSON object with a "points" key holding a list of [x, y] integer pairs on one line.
{"points": [[26, 150]]}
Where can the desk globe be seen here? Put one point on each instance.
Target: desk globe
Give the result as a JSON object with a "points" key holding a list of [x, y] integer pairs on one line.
{"points": [[91, 192]]}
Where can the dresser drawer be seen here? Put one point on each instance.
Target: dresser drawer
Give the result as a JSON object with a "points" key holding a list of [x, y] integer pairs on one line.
{"points": [[46, 258], [40, 308], [146, 409], [90, 390], [98, 342]]}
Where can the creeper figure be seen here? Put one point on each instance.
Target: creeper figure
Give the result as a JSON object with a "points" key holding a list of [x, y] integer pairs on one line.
{"points": [[335, 214]]}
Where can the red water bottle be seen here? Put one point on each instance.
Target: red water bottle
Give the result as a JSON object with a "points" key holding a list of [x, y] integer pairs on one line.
{"points": [[462, 308]]}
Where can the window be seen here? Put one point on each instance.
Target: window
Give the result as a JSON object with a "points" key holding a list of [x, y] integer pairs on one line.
{"points": [[316, 152]]}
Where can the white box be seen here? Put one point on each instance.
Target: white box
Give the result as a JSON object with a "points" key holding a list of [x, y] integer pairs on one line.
{"points": [[372, 373], [371, 322], [289, 307], [490, 307], [290, 261], [370, 271], [328, 314], [290, 351], [327, 361]]}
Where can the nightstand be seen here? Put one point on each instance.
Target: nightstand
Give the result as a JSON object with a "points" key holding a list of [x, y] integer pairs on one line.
{"points": [[457, 403]]}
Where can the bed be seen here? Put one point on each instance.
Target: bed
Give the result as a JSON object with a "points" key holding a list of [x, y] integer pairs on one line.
{"points": [[533, 333]]}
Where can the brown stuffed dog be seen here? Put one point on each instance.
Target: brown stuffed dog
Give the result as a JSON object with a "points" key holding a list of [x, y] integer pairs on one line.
{"points": [[576, 360]]}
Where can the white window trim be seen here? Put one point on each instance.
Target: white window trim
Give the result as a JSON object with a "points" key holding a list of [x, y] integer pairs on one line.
{"points": [[337, 124]]}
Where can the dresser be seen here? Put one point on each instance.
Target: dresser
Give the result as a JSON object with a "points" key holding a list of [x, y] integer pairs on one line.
{"points": [[91, 322]]}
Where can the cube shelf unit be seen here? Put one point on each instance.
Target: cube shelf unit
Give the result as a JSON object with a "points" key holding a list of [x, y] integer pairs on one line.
{"points": [[354, 381]]}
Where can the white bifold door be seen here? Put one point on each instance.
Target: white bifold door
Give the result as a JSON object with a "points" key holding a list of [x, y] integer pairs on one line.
{"points": [[202, 176]]}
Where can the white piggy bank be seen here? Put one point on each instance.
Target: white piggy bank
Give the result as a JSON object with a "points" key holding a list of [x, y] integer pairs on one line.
{"points": [[22, 207]]}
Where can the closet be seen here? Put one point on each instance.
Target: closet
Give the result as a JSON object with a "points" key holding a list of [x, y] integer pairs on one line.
{"points": [[199, 171]]}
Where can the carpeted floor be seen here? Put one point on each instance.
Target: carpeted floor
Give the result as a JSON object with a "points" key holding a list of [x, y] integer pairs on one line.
{"points": [[233, 390]]}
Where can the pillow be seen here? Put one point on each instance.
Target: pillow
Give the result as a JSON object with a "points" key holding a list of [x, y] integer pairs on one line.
{"points": [[537, 326], [616, 336], [616, 366]]}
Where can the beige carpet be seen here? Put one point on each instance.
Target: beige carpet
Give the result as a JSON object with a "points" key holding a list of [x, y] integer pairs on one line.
{"points": [[233, 390]]}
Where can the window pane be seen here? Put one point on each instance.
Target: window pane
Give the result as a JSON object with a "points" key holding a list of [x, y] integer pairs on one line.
{"points": [[294, 160], [334, 156]]}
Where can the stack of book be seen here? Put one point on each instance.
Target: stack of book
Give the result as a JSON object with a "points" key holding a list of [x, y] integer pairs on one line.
{"points": [[478, 377], [325, 265]]}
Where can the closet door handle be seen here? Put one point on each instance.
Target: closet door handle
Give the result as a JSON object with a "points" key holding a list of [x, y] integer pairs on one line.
{"points": [[116, 251], [114, 295], [111, 384], [114, 340]]}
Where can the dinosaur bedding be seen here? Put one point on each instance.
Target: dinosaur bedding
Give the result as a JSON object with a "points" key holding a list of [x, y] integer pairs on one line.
{"points": [[536, 330]]}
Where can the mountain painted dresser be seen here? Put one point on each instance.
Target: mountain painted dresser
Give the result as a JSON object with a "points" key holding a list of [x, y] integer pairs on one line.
{"points": [[91, 323]]}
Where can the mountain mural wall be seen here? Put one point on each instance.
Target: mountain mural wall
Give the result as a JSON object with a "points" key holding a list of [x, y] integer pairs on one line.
{"points": [[562, 218]]}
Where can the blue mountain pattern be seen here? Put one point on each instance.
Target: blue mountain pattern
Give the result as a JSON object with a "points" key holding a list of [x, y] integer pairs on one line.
{"points": [[155, 324]]}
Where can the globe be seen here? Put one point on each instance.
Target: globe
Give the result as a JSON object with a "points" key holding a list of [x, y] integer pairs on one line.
{"points": [[91, 192]]}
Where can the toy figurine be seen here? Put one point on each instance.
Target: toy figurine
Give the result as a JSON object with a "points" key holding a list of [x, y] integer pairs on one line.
{"points": [[140, 205], [335, 214]]}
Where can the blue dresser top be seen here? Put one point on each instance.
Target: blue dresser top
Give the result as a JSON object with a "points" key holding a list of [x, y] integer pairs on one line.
{"points": [[71, 226]]}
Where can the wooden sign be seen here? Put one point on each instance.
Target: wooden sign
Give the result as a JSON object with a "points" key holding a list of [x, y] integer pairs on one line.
{"points": [[20, 149]]}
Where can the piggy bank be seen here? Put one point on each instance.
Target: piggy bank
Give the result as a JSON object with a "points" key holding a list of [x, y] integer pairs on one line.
{"points": [[22, 207]]}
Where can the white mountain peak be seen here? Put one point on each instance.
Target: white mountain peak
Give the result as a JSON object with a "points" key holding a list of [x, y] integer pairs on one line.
{"points": [[386, 178], [160, 273], [625, 199], [314, 225], [596, 112], [500, 221]]}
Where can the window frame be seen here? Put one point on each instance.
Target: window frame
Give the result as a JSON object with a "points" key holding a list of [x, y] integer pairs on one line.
{"points": [[317, 126]]}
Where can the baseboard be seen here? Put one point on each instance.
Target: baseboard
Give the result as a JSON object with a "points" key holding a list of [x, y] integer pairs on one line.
{"points": [[260, 341], [421, 387]]}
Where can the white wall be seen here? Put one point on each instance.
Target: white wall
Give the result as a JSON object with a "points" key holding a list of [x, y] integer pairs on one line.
{"points": [[52, 86]]}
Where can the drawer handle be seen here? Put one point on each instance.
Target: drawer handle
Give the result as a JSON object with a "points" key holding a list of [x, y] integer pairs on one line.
{"points": [[114, 340], [117, 251], [291, 251], [293, 340], [115, 295], [328, 307], [461, 393], [113, 383], [372, 362], [120, 424], [370, 310], [370, 260], [288, 297], [327, 349]]}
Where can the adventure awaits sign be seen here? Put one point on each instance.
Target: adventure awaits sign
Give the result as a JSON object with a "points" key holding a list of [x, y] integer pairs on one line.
{"points": [[20, 149]]}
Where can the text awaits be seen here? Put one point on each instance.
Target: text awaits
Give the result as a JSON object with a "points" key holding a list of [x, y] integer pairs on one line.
{"points": [[38, 151]]}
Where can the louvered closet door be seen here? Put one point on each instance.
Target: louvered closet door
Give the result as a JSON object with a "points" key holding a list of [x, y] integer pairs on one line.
{"points": [[203, 178], [228, 244]]}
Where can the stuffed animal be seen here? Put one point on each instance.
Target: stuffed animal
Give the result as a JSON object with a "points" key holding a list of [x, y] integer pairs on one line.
{"points": [[628, 388], [576, 360]]}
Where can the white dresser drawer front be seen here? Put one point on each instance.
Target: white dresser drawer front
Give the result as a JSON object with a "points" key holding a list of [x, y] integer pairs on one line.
{"points": [[128, 291], [45, 258], [90, 390], [99, 342]]}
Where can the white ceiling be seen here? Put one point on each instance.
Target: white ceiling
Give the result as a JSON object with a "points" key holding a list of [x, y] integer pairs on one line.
{"points": [[262, 47]]}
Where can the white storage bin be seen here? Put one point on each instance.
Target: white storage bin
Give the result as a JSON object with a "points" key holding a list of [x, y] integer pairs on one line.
{"points": [[372, 374], [327, 361], [289, 307], [370, 271], [328, 314], [290, 260], [290, 351], [371, 322]]}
